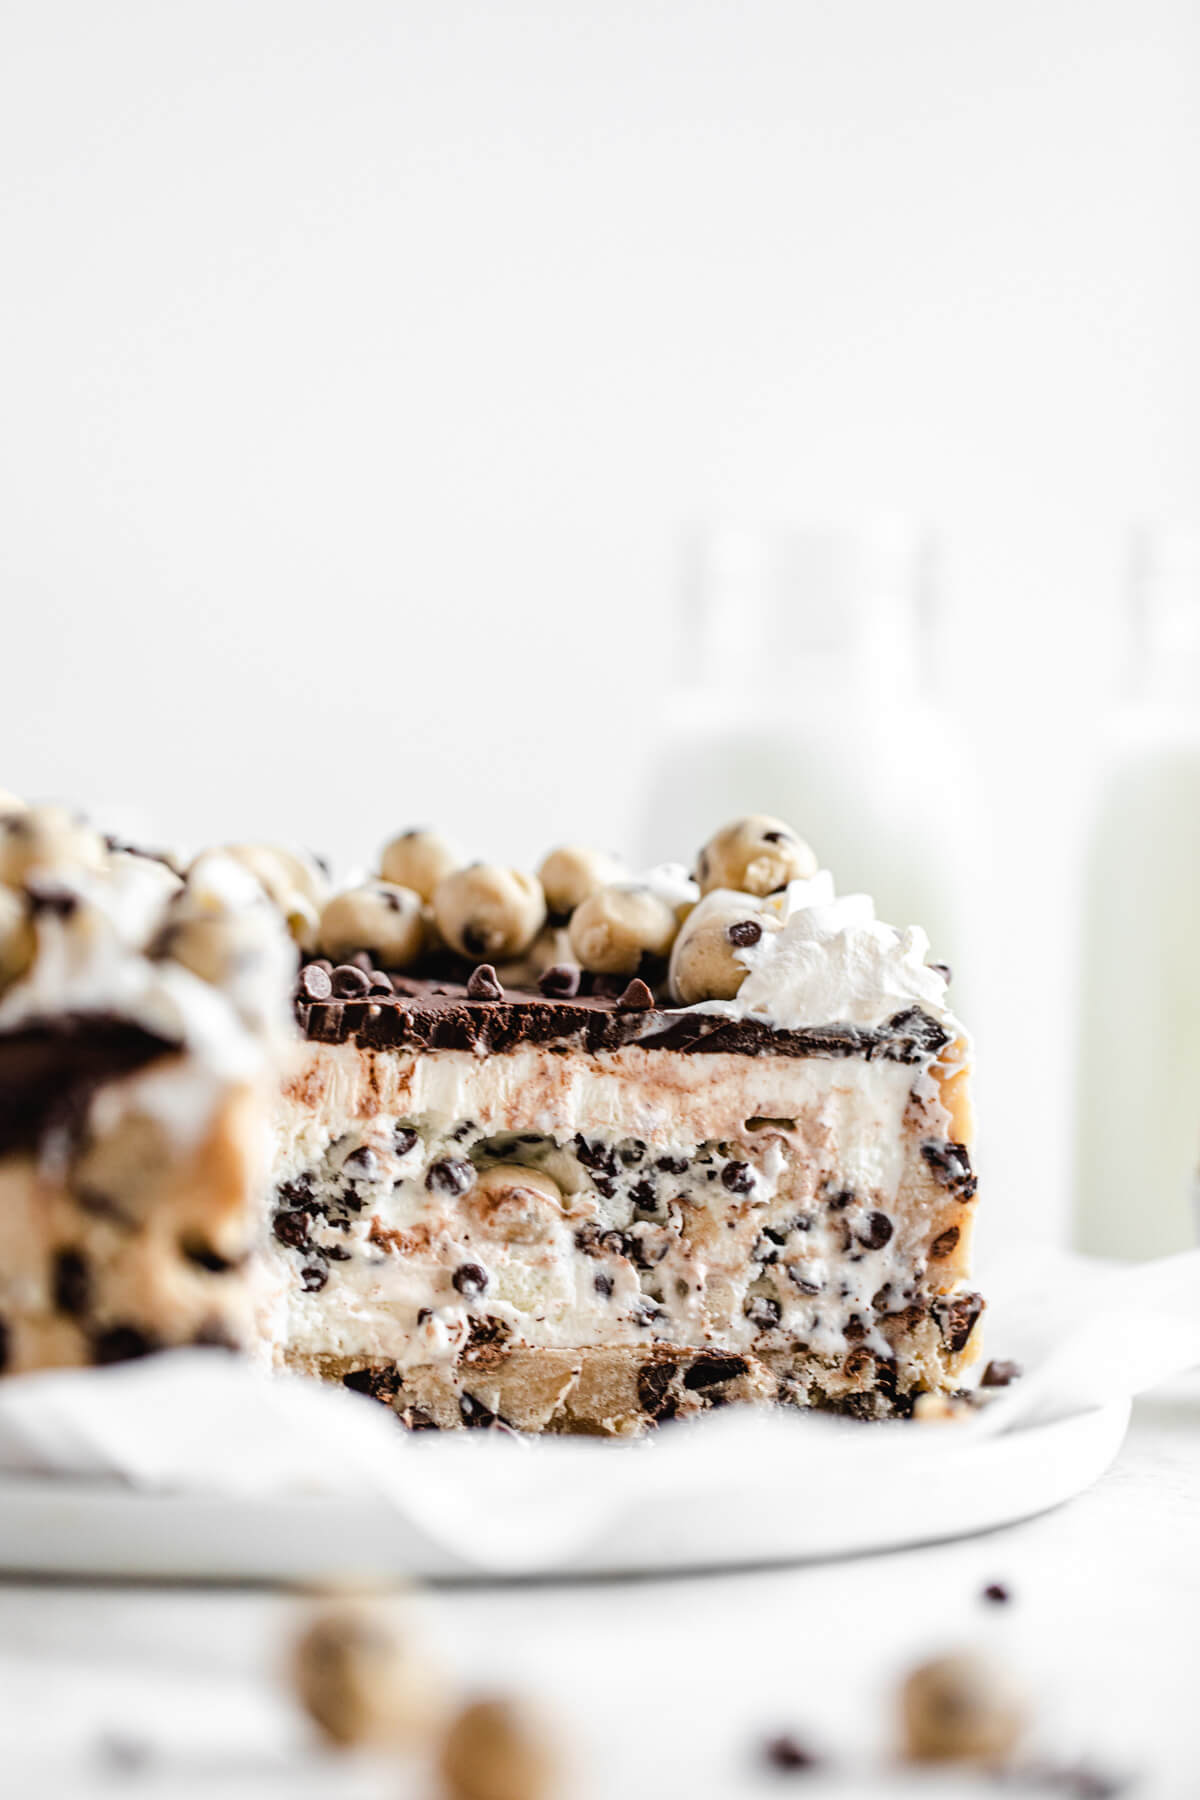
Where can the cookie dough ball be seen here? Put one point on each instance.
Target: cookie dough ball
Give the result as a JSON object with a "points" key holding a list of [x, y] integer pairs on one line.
{"points": [[359, 1675], [17, 942], [515, 1204], [419, 860], [489, 912], [295, 885], [961, 1707], [615, 928], [706, 961], [378, 917], [754, 856], [499, 1749], [221, 948], [572, 874], [46, 840]]}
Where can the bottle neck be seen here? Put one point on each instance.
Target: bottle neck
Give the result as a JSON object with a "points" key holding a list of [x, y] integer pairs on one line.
{"points": [[1163, 631], [772, 616]]}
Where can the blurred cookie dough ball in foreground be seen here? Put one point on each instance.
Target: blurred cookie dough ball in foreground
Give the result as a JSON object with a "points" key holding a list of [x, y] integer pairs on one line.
{"points": [[500, 1749], [613, 929], [379, 917], [419, 859], [754, 856], [294, 884], [963, 1707], [364, 1681], [46, 840], [706, 963], [17, 942], [572, 873], [489, 912]]}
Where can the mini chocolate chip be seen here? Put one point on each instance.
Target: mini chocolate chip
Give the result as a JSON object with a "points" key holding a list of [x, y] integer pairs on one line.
{"points": [[943, 1245], [291, 1228], [381, 984], [876, 1231], [785, 1751], [636, 997], [560, 981], [363, 1161], [361, 959], [595, 1155], [72, 1282], [643, 1193], [315, 983], [205, 1257], [378, 1384], [349, 982], [484, 984], [423, 1313], [744, 933], [602, 1283], [709, 1371], [672, 1165], [450, 1176], [738, 1177], [798, 1275], [1000, 1374], [763, 1310], [944, 970], [404, 1140], [778, 837], [653, 1382], [473, 1412], [854, 1330], [122, 1343], [997, 1593], [470, 1279], [335, 1252], [313, 1277]]}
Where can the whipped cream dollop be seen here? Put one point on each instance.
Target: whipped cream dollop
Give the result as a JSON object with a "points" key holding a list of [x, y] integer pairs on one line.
{"points": [[832, 962]]}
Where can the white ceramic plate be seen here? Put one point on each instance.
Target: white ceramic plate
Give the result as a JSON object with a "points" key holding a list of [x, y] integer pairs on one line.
{"points": [[764, 1505]]}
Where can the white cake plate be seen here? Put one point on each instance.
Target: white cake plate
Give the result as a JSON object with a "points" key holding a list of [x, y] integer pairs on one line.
{"points": [[752, 1509]]}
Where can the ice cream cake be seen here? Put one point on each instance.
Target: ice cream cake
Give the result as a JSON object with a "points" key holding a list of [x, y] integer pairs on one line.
{"points": [[577, 1151]]}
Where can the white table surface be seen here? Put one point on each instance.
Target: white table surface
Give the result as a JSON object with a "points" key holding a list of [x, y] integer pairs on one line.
{"points": [[664, 1688]]}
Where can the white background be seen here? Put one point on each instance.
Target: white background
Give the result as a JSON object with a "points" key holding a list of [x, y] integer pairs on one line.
{"points": [[360, 366]]}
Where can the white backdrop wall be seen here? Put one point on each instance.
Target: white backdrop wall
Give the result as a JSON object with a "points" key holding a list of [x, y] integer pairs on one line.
{"points": [[359, 366]]}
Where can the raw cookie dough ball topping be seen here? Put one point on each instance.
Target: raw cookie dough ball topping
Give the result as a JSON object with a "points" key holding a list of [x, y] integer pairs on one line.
{"points": [[379, 917], [754, 856], [419, 859], [961, 1707], [46, 840], [488, 912], [707, 961], [361, 1678], [17, 942], [572, 874], [497, 1749], [615, 928], [294, 884]]}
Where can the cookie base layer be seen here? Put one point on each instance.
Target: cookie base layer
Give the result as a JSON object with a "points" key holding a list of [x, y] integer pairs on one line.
{"points": [[623, 1392]]}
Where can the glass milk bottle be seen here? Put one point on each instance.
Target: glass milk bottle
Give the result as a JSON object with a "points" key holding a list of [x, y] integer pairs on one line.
{"points": [[806, 687], [1139, 1052]]}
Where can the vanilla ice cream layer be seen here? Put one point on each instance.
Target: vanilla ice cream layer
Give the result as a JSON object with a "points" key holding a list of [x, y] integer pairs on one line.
{"points": [[747, 1202]]}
